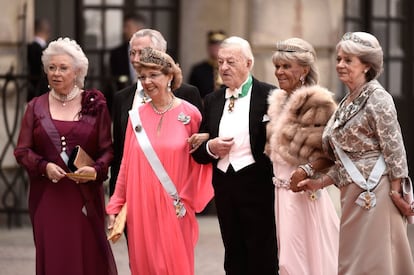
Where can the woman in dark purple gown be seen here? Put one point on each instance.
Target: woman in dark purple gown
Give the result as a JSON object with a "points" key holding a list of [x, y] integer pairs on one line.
{"points": [[67, 214]]}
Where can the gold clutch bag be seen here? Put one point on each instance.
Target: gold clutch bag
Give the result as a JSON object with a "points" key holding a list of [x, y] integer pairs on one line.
{"points": [[119, 225], [77, 159], [76, 176]]}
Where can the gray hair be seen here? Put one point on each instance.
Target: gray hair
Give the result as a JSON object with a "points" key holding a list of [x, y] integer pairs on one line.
{"points": [[367, 48], [158, 41], [69, 47], [299, 51], [242, 44]]}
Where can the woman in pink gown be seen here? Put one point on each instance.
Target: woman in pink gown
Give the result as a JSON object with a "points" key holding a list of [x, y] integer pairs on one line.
{"points": [[159, 241], [306, 222]]}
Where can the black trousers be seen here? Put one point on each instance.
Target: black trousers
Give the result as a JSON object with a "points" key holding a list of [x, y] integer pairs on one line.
{"points": [[245, 210]]}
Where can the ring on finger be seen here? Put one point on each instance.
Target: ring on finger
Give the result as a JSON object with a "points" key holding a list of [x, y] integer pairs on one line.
{"points": [[54, 180]]}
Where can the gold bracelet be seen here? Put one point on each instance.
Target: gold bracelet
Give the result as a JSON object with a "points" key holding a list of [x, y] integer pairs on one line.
{"points": [[392, 192]]}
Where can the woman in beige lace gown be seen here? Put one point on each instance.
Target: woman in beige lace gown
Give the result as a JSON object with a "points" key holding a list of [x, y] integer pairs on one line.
{"points": [[373, 229]]}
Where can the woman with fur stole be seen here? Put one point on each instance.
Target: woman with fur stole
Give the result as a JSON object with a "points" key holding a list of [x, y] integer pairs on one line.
{"points": [[307, 223]]}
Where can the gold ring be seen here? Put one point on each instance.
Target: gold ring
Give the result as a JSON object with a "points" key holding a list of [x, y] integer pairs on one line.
{"points": [[392, 192]]}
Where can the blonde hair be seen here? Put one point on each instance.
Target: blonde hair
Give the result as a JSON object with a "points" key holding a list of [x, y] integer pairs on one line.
{"points": [[299, 51]]}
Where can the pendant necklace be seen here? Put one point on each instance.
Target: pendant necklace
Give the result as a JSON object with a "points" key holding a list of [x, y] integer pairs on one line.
{"points": [[161, 113], [65, 98]]}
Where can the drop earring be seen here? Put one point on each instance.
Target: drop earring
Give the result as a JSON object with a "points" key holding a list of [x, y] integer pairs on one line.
{"points": [[302, 80]]}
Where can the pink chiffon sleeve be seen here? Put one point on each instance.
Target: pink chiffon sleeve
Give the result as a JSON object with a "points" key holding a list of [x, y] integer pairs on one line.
{"points": [[118, 199]]}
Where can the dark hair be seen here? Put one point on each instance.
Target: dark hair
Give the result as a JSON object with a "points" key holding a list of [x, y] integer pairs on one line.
{"points": [[139, 19], [41, 25]]}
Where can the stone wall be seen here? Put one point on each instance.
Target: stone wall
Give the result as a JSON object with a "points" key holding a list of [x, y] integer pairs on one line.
{"points": [[17, 27], [262, 23]]}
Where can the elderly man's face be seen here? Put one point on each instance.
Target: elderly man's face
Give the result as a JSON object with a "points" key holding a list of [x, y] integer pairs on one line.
{"points": [[137, 45], [234, 67]]}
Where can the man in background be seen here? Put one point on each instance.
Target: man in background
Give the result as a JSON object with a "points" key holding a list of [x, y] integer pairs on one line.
{"points": [[133, 96], [204, 75], [37, 76], [121, 71]]}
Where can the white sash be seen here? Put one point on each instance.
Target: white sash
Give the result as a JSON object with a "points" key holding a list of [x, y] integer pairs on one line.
{"points": [[155, 162], [366, 199]]}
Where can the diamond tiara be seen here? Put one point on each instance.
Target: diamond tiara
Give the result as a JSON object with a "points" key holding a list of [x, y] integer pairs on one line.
{"points": [[283, 47], [356, 39]]}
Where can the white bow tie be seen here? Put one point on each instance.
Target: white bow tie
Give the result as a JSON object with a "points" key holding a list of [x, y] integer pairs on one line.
{"points": [[232, 93]]}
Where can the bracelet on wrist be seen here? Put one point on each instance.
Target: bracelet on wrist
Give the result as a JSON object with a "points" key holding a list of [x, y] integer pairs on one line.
{"points": [[308, 169]]}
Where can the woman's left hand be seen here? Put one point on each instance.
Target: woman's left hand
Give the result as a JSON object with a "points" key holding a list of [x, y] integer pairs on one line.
{"points": [[398, 200], [311, 184], [87, 171], [196, 140], [400, 203]]}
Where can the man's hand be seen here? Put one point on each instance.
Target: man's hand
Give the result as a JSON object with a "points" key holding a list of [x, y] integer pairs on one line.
{"points": [[220, 146]]}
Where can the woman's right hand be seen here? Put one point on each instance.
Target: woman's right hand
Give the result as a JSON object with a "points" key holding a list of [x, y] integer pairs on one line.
{"points": [[111, 221], [54, 172], [196, 140]]}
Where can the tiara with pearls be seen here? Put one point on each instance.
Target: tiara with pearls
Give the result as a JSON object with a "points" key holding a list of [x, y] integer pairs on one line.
{"points": [[356, 39]]}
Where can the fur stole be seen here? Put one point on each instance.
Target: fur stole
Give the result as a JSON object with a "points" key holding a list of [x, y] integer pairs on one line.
{"points": [[297, 122]]}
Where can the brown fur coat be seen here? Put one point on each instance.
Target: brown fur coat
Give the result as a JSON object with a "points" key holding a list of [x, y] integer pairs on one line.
{"points": [[297, 122]]}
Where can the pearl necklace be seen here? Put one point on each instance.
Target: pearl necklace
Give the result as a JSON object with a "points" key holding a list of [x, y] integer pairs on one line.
{"points": [[65, 98], [161, 113], [170, 104]]}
